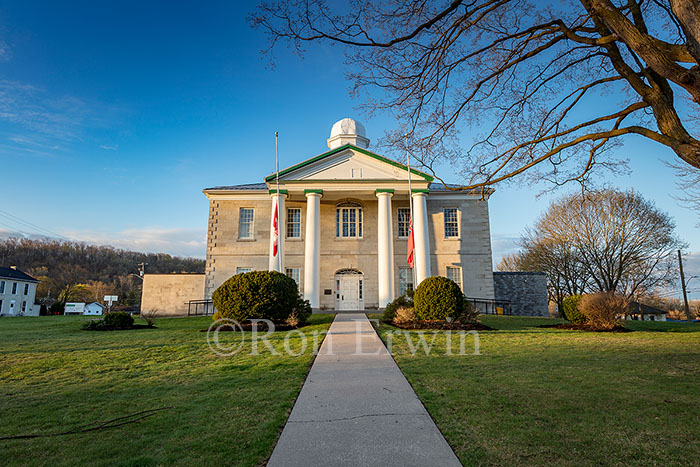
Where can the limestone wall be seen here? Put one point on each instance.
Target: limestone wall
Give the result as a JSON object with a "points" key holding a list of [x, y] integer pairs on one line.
{"points": [[527, 292], [169, 293]]}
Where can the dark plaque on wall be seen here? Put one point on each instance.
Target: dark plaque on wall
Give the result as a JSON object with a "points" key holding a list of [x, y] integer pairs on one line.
{"points": [[327, 292]]}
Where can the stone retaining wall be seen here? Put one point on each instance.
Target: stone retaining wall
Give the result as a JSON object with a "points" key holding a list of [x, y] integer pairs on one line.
{"points": [[526, 291]]}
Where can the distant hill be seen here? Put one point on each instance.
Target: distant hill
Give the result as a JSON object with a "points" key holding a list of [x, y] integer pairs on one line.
{"points": [[59, 264]]}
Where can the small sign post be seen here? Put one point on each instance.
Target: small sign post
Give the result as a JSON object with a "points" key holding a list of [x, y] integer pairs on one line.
{"points": [[110, 299]]}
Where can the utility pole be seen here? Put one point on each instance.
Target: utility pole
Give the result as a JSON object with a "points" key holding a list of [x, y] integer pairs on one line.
{"points": [[685, 294]]}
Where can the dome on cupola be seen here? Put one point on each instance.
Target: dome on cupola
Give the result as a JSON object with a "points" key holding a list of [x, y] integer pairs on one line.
{"points": [[348, 131]]}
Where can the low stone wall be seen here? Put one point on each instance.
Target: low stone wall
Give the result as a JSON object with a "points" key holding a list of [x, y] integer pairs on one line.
{"points": [[526, 291], [169, 294]]}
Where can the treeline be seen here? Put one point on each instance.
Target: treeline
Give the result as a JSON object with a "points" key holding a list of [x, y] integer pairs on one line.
{"points": [[62, 265]]}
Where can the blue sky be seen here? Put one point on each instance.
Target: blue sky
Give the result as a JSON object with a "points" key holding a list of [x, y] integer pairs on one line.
{"points": [[115, 115]]}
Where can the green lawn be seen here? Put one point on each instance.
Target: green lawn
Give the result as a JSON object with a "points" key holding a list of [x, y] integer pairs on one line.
{"points": [[225, 410], [547, 396]]}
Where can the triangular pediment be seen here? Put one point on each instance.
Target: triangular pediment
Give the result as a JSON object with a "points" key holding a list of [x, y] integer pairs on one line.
{"points": [[349, 163]]}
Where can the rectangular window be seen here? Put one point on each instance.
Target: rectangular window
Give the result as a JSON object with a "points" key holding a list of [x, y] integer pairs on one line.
{"points": [[0, 306], [26, 289], [2, 286], [451, 223], [294, 223], [242, 270], [24, 307], [405, 280], [14, 288], [293, 273], [454, 273], [348, 222], [245, 225], [404, 218]]}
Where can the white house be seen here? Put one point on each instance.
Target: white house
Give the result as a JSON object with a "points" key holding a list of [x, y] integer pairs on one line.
{"points": [[17, 293], [87, 309], [94, 309]]}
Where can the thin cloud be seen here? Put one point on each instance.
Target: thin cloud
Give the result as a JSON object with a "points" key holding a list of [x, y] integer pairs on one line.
{"points": [[174, 241], [5, 52], [31, 117], [109, 148]]}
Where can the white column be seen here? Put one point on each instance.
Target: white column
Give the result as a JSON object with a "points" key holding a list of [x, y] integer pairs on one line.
{"points": [[276, 263], [385, 249], [312, 249], [420, 237]]}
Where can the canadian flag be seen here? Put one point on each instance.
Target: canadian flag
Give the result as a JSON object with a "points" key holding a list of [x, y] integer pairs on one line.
{"points": [[411, 244], [275, 232]]}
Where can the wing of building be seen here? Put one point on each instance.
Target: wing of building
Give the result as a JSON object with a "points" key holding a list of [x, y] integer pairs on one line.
{"points": [[344, 226]]}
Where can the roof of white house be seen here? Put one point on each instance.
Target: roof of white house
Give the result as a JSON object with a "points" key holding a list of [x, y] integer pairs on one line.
{"points": [[16, 274]]}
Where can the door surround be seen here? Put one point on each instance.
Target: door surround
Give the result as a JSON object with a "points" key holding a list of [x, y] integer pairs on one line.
{"points": [[349, 290]]}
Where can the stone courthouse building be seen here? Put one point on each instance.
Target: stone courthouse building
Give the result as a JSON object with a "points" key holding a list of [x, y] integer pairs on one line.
{"points": [[344, 228]]}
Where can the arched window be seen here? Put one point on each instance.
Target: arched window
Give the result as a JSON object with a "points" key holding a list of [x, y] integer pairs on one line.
{"points": [[348, 220]]}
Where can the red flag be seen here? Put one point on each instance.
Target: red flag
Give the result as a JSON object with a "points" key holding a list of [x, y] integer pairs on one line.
{"points": [[275, 232], [411, 244]]}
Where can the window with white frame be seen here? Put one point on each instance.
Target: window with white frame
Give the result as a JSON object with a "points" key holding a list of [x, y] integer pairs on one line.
{"points": [[348, 220], [24, 306], [242, 270], [404, 219], [451, 222], [245, 223], [14, 288], [2, 286], [454, 273], [293, 273], [294, 223], [405, 280], [26, 289]]}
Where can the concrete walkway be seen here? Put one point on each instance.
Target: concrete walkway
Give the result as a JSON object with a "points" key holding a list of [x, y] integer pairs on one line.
{"points": [[359, 410]]}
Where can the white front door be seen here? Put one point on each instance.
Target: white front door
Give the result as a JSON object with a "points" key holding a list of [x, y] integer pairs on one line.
{"points": [[349, 292], [12, 307]]}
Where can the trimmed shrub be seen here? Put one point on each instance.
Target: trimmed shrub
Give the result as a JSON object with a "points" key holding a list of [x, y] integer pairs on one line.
{"points": [[260, 295], [404, 315], [390, 310], [118, 320], [94, 325], [438, 298], [570, 309], [603, 310]]}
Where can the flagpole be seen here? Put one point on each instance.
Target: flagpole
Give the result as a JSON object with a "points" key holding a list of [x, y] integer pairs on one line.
{"points": [[410, 206], [277, 202]]}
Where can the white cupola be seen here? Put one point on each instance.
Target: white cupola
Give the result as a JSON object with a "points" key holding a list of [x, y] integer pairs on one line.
{"points": [[348, 131]]}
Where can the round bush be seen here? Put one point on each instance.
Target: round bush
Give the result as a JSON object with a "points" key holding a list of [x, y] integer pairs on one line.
{"points": [[118, 320], [260, 295], [404, 301], [570, 310], [437, 298]]}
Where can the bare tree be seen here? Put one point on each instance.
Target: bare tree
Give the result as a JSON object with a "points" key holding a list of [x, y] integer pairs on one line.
{"points": [[523, 74], [511, 263], [606, 241], [545, 251]]}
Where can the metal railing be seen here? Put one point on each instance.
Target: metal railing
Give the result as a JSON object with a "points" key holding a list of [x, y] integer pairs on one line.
{"points": [[486, 306], [200, 308]]}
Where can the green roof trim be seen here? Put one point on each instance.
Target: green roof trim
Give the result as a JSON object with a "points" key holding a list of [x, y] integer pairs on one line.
{"points": [[320, 192], [384, 190], [420, 190], [272, 177], [272, 191]]}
